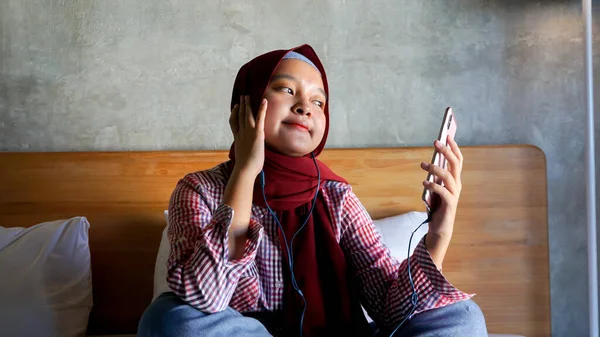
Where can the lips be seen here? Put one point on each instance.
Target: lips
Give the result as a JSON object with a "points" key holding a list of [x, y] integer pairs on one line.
{"points": [[297, 125]]}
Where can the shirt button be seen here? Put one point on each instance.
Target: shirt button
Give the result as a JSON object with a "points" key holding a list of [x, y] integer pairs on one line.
{"points": [[278, 285]]}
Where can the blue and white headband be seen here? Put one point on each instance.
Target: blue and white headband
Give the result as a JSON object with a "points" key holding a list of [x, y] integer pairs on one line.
{"points": [[297, 56]]}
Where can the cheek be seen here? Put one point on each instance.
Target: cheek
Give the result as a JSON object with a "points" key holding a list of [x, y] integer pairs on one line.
{"points": [[320, 123], [275, 104], [272, 117], [269, 125]]}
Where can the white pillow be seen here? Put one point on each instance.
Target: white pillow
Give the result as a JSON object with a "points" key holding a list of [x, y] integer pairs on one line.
{"points": [[160, 267], [45, 287], [396, 230]]}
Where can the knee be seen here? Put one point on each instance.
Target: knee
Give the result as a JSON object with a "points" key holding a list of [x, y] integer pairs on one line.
{"points": [[155, 319], [163, 317], [473, 318]]}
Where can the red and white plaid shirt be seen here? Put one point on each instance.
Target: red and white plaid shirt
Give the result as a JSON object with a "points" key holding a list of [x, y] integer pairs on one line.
{"points": [[200, 272]]}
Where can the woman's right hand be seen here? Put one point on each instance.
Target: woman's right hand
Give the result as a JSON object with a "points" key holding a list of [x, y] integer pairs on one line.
{"points": [[249, 137]]}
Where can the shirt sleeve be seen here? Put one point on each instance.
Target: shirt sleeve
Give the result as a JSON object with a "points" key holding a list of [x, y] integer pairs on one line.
{"points": [[386, 291], [199, 269]]}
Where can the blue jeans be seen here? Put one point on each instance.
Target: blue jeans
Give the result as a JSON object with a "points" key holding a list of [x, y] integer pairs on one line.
{"points": [[168, 316]]}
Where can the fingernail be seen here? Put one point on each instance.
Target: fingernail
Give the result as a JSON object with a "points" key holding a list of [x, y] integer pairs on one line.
{"points": [[424, 165], [439, 144]]}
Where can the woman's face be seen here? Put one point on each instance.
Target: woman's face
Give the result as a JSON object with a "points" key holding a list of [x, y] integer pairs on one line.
{"points": [[295, 120]]}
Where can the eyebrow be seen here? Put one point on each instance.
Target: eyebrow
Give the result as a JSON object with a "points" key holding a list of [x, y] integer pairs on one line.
{"points": [[292, 78]]}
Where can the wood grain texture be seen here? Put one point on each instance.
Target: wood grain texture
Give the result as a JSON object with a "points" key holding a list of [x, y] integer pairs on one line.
{"points": [[499, 250]]}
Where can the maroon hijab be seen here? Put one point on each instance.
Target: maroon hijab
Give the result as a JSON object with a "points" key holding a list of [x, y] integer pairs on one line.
{"points": [[320, 267]]}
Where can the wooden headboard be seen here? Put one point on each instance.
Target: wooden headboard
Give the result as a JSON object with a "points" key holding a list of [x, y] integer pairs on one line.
{"points": [[499, 249]]}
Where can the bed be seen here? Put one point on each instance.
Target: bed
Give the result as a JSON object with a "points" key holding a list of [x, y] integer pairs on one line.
{"points": [[499, 250]]}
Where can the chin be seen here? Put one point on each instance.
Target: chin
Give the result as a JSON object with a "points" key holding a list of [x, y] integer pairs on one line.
{"points": [[292, 151], [295, 152]]}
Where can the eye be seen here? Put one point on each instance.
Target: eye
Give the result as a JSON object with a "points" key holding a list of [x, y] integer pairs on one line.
{"points": [[319, 103], [286, 90]]}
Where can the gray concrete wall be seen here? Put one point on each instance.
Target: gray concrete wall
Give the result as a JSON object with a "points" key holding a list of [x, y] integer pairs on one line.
{"points": [[150, 75]]}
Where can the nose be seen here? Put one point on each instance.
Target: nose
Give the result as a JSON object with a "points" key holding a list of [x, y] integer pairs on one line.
{"points": [[302, 108]]}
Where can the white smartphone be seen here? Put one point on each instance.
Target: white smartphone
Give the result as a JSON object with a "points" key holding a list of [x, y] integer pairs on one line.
{"points": [[448, 128]]}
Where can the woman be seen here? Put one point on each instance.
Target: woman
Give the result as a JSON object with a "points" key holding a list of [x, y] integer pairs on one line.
{"points": [[272, 242]]}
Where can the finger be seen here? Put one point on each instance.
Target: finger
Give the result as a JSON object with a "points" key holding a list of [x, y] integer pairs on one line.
{"points": [[456, 168], [439, 190], [250, 122], [233, 119], [456, 149], [453, 162], [262, 113], [447, 178], [242, 114]]}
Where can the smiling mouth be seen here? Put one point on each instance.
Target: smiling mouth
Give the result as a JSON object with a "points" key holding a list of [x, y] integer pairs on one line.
{"points": [[297, 126]]}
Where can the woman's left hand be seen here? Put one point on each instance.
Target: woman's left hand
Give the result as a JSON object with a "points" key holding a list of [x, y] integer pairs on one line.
{"points": [[442, 221]]}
